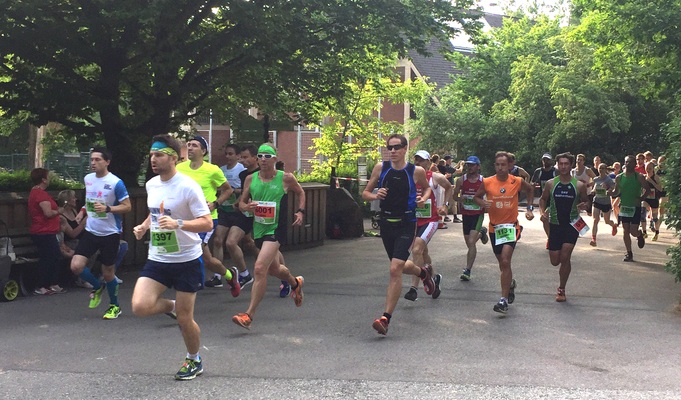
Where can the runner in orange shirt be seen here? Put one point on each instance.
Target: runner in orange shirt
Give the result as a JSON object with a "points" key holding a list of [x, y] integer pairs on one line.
{"points": [[504, 230]]}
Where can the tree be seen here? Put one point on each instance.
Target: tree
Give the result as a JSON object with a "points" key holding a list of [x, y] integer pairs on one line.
{"points": [[127, 70]]}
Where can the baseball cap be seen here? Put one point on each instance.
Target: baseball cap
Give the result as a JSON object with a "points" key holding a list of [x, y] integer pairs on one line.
{"points": [[423, 154], [547, 155], [447, 157], [473, 160]]}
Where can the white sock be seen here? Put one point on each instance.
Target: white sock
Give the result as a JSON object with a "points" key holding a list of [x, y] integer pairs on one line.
{"points": [[194, 357], [173, 305], [244, 273]]}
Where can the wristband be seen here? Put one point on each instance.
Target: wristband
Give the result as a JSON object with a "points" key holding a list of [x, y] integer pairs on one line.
{"points": [[530, 208], [216, 204], [301, 210]]}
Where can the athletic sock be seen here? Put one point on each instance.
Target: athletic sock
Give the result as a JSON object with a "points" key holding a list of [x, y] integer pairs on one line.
{"points": [[195, 357], [112, 289], [174, 311], [244, 273], [87, 276], [385, 314], [228, 275]]}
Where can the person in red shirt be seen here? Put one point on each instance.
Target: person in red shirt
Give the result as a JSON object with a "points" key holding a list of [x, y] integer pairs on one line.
{"points": [[45, 226]]}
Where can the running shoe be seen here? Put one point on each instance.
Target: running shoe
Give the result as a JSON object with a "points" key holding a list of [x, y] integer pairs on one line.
{"points": [[215, 281], [96, 297], [501, 306], [172, 314], [652, 225], [243, 320], [560, 296], [297, 293], [234, 282], [57, 289], [428, 283], [641, 239], [629, 257], [284, 289], [42, 291], [645, 234], [511, 292], [412, 294], [614, 230], [456, 219], [593, 242], [484, 238], [245, 280], [466, 275], [190, 370], [437, 279], [447, 219], [655, 237], [113, 312], [119, 280], [381, 325], [83, 284]]}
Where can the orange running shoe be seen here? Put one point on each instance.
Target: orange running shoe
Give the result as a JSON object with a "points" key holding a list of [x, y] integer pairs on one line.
{"points": [[560, 296], [297, 293], [381, 325], [243, 320]]}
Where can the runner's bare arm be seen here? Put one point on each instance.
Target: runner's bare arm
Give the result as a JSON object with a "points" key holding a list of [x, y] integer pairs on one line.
{"points": [[583, 197], [368, 194], [203, 223], [443, 182], [479, 196], [421, 180], [225, 193], [544, 200], [529, 193], [142, 228], [244, 200], [644, 186], [292, 184]]}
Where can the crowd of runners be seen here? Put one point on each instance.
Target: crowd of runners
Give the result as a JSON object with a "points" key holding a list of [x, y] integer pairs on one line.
{"points": [[242, 203]]}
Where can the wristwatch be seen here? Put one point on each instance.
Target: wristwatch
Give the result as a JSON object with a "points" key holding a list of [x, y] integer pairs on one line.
{"points": [[530, 208], [108, 209], [216, 204], [301, 210], [180, 223]]}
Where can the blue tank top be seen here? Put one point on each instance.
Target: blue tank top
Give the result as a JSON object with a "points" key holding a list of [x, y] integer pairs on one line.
{"points": [[400, 202]]}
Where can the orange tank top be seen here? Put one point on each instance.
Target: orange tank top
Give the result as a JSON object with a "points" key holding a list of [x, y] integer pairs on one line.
{"points": [[503, 199]]}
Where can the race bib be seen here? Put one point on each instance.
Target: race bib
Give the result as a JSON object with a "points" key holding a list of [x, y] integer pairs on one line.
{"points": [[651, 195], [266, 212], [601, 192], [90, 207], [581, 226], [426, 211], [163, 241], [627, 212], [504, 233], [469, 203]]}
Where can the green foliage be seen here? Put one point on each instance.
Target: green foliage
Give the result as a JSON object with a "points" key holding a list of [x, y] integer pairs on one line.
{"points": [[128, 70], [672, 184], [20, 181]]}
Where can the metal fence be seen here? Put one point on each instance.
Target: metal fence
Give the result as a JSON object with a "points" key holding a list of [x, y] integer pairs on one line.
{"points": [[14, 162], [70, 166]]}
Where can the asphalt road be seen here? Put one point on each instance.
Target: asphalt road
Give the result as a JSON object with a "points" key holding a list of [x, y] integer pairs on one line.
{"points": [[615, 338]]}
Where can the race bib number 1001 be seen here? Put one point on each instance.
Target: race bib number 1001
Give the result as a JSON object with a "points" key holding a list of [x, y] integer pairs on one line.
{"points": [[266, 212]]}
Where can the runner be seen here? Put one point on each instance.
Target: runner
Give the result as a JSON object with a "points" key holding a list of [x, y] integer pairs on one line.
{"points": [[396, 181], [653, 199], [502, 191], [227, 211], [106, 198], [211, 179], [660, 172], [177, 213], [427, 222], [585, 175], [564, 192], [542, 175], [264, 195], [629, 185], [603, 190], [472, 214]]}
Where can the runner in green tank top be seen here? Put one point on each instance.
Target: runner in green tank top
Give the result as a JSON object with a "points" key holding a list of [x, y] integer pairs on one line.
{"points": [[262, 196], [567, 196], [633, 188]]}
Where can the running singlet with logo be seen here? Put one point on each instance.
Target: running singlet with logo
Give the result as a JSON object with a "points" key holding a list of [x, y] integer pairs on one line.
{"points": [[269, 213], [564, 201], [503, 199], [108, 190], [630, 190], [179, 197], [468, 189], [601, 187], [401, 198], [208, 176], [429, 211]]}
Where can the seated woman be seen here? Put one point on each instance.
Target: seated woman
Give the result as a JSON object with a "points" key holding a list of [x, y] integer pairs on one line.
{"points": [[72, 225]]}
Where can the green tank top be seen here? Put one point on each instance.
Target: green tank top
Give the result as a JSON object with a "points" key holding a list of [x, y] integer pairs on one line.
{"points": [[268, 212], [630, 190]]}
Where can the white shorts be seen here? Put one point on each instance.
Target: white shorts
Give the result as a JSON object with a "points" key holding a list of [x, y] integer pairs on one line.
{"points": [[427, 231]]}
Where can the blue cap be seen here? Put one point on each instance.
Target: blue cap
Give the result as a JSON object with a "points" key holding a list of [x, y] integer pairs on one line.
{"points": [[473, 160]]}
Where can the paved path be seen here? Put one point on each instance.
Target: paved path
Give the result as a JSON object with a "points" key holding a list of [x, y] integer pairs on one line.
{"points": [[616, 337]]}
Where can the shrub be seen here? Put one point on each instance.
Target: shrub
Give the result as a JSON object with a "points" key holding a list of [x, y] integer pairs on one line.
{"points": [[20, 181]]}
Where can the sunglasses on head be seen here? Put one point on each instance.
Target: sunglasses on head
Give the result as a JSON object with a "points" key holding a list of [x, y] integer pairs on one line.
{"points": [[265, 156], [392, 147]]}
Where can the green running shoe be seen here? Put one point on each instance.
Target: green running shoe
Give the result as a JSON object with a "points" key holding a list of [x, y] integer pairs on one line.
{"points": [[113, 312], [96, 297], [190, 370]]}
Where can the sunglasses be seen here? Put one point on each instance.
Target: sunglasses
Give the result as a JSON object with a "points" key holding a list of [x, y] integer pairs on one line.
{"points": [[392, 147], [265, 156]]}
